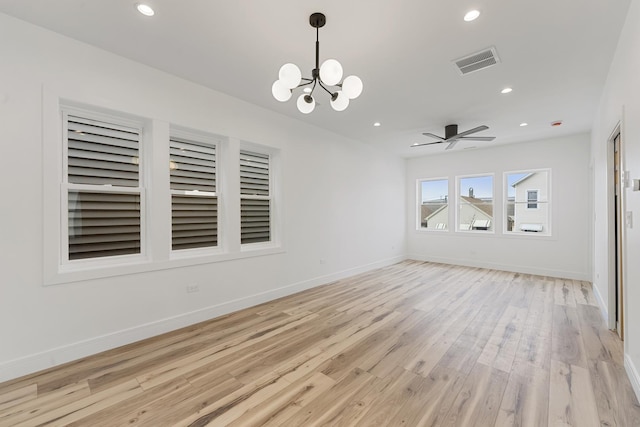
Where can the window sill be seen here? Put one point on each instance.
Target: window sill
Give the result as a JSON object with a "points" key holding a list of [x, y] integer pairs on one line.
{"points": [[432, 230], [70, 274]]}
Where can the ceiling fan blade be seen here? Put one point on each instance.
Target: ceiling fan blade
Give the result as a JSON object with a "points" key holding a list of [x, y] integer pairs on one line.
{"points": [[451, 144], [425, 143], [478, 138], [470, 131], [430, 135]]}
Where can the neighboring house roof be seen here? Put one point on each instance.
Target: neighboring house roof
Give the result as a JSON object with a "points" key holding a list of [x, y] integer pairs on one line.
{"points": [[436, 211], [428, 209], [481, 205], [518, 182]]}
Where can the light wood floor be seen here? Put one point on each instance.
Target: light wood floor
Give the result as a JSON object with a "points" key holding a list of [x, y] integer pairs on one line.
{"points": [[414, 344]]}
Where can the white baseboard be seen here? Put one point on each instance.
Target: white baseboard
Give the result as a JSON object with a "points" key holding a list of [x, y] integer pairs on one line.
{"points": [[56, 356], [632, 373], [504, 267], [603, 307]]}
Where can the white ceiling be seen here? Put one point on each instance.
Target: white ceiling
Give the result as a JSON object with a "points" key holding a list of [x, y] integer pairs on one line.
{"points": [[555, 54]]}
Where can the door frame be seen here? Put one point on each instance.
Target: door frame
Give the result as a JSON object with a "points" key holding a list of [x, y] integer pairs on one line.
{"points": [[616, 241]]}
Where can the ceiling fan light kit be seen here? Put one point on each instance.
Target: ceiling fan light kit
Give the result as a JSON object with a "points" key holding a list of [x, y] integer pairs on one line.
{"points": [[327, 76]]}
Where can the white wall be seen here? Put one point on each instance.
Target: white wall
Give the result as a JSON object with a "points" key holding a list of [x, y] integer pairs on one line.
{"points": [[620, 104], [566, 253], [343, 203]]}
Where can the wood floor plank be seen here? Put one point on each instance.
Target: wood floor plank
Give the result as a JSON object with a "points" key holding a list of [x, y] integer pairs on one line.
{"points": [[564, 294], [567, 344], [427, 400], [85, 406], [525, 401], [478, 402], [501, 349], [571, 398], [181, 366], [275, 412], [132, 411], [410, 344], [583, 293], [44, 403], [332, 406], [599, 342], [18, 395]]}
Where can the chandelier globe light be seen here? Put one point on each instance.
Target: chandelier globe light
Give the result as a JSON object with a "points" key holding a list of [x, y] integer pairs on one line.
{"points": [[327, 76]]}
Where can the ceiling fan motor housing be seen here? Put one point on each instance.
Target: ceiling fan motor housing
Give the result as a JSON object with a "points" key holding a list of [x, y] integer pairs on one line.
{"points": [[450, 131]]}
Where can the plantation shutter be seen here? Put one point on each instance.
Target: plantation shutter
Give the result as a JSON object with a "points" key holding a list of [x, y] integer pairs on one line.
{"points": [[194, 203], [103, 189], [255, 202]]}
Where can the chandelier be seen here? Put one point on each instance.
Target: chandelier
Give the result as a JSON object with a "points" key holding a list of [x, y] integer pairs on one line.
{"points": [[327, 77]]}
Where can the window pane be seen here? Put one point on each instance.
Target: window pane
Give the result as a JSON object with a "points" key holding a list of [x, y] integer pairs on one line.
{"points": [[476, 203], [434, 204], [532, 199], [101, 153], [255, 221], [192, 166], [103, 224], [255, 197], [254, 173], [194, 215], [194, 221], [527, 202]]}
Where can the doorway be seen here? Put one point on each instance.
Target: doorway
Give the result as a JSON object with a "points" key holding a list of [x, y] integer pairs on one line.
{"points": [[618, 234]]}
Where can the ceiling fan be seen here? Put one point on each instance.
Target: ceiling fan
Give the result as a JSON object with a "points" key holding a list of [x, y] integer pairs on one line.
{"points": [[452, 136]]}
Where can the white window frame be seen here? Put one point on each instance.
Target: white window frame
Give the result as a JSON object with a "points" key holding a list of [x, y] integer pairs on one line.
{"points": [[548, 233], [213, 141], [122, 121], [419, 226], [536, 201], [458, 206], [155, 220], [275, 216]]}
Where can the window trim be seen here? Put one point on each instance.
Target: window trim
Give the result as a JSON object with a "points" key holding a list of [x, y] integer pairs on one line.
{"points": [[275, 218], [418, 222], [211, 140], [155, 141], [118, 120], [548, 234], [458, 205]]}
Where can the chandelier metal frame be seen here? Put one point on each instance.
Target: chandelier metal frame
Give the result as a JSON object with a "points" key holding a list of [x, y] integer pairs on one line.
{"points": [[327, 76]]}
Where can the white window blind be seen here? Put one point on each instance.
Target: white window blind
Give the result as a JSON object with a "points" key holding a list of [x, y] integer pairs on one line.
{"points": [[194, 201], [255, 197], [103, 188]]}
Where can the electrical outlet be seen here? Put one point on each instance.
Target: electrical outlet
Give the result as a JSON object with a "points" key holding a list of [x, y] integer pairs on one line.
{"points": [[193, 288]]}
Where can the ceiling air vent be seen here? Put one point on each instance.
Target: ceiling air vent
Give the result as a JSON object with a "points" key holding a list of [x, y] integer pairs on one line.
{"points": [[477, 61]]}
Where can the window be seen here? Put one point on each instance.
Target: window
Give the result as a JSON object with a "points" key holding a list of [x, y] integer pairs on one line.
{"points": [[194, 197], [532, 199], [433, 210], [255, 197], [103, 209], [475, 203], [527, 203]]}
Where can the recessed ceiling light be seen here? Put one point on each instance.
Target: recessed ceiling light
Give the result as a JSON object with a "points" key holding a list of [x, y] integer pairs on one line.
{"points": [[377, 124], [523, 124], [471, 15], [145, 9], [506, 90]]}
